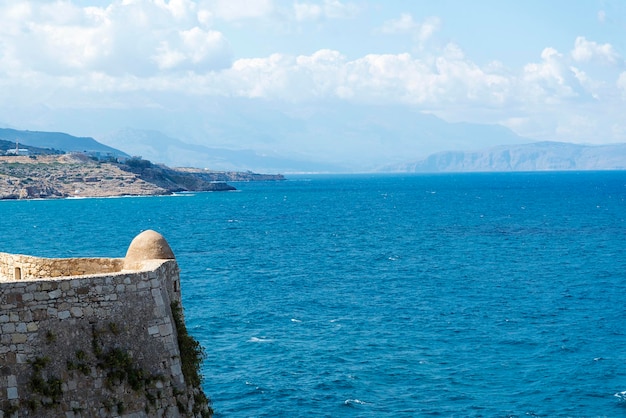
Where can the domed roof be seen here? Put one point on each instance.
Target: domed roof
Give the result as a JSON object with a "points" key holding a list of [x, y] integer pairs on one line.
{"points": [[149, 245]]}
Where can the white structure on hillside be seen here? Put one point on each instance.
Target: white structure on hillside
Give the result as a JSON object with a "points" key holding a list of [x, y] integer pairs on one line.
{"points": [[17, 150]]}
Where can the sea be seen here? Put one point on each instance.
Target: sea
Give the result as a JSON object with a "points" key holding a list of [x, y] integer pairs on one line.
{"points": [[447, 295]]}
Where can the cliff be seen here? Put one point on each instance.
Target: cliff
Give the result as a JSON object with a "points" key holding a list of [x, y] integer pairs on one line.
{"points": [[97, 337], [527, 157], [213, 176]]}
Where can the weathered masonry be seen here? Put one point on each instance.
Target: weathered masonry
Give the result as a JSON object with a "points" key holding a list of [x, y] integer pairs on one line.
{"points": [[97, 337]]}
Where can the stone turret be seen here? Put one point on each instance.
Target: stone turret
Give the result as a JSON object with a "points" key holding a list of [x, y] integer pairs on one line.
{"points": [[97, 337], [149, 245]]}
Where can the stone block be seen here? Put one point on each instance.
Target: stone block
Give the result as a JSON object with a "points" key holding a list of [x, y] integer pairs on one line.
{"points": [[76, 312], [12, 393], [158, 299], [40, 314], [39, 296], [165, 329], [143, 284], [8, 328], [82, 290], [63, 314], [26, 316]]}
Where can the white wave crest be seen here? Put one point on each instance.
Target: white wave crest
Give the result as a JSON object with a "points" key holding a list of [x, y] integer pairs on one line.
{"points": [[260, 340], [350, 402]]}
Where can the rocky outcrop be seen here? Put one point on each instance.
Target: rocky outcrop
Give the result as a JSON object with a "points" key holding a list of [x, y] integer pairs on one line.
{"points": [[217, 176]]}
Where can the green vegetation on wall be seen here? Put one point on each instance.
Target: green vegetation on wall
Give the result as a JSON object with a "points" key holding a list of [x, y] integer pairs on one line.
{"points": [[191, 356]]}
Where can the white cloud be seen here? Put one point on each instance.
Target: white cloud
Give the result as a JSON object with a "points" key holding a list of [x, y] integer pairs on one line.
{"points": [[138, 37], [233, 10], [406, 24], [403, 24], [257, 77], [319, 74], [621, 82], [335, 9], [63, 55], [193, 49], [585, 50], [329, 9], [550, 79], [308, 11], [374, 78], [179, 9]]}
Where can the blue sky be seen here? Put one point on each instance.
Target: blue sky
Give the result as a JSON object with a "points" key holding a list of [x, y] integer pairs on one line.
{"points": [[548, 70], [512, 32]]}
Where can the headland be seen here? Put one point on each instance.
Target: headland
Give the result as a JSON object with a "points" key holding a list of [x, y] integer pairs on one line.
{"points": [[78, 175]]}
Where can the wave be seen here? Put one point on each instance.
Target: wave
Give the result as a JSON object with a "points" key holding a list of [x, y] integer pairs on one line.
{"points": [[352, 402], [260, 340]]}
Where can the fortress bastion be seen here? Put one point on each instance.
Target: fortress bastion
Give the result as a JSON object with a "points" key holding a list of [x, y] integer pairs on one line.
{"points": [[97, 337]]}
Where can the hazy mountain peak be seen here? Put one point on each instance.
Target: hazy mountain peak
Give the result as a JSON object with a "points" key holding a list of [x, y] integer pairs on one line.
{"points": [[534, 156]]}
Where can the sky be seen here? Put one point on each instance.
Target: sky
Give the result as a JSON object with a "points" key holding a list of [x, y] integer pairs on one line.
{"points": [[548, 70]]}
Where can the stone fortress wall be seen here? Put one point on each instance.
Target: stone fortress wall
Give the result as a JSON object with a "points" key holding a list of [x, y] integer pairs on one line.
{"points": [[96, 337]]}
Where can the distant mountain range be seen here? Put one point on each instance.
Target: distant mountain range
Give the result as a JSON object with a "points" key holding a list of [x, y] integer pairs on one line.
{"points": [[160, 148], [536, 156], [327, 137], [271, 136]]}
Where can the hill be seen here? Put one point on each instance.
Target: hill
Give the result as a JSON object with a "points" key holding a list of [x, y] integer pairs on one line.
{"points": [[156, 146], [526, 157], [58, 141], [7, 147]]}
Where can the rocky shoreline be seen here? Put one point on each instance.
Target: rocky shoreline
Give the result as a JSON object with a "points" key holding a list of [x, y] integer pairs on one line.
{"points": [[76, 175]]}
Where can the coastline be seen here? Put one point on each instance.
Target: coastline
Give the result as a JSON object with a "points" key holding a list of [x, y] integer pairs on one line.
{"points": [[78, 176]]}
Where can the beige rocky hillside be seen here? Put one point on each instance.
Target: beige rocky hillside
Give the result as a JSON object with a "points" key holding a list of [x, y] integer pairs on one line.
{"points": [[76, 175]]}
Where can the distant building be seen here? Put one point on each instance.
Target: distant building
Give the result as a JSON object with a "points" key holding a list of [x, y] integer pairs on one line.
{"points": [[18, 150]]}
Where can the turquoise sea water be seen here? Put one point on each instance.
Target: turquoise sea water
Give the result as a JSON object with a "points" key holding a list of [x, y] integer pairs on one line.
{"points": [[427, 295]]}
